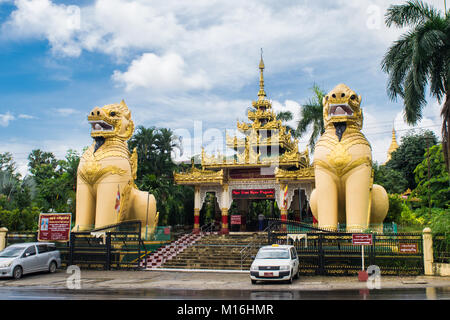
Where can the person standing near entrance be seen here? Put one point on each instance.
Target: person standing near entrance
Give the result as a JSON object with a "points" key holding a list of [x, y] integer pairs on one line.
{"points": [[261, 221]]}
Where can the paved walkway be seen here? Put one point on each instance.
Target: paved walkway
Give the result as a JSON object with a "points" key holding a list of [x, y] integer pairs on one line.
{"points": [[208, 280]]}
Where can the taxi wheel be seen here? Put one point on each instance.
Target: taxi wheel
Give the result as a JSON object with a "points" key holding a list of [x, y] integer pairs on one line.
{"points": [[290, 279], [17, 272]]}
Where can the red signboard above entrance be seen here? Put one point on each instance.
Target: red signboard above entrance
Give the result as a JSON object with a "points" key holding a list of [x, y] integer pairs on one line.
{"points": [[253, 193], [361, 239]]}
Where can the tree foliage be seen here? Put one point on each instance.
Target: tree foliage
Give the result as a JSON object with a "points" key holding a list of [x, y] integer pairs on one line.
{"points": [[435, 186], [410, 153], [311, 115], [420, 59]]}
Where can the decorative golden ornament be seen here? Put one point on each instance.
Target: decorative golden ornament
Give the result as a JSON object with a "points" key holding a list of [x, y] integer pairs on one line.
{"points": [[92, 172]]}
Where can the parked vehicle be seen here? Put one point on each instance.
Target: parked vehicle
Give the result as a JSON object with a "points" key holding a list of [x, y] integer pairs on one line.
{"points": [[24, 258], [275, 263]]}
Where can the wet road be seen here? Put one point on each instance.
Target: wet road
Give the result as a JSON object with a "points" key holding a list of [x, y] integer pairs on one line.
{"points": [[429, 293]]}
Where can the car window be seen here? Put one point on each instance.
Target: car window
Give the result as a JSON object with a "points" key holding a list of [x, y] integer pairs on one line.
{"points": [[30, 250], [42, 248], [51, 248], [293, 253], [273, 254]]}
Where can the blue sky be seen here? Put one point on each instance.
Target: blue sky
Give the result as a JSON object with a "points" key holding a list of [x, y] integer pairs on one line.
{"points": [[185, 65]]}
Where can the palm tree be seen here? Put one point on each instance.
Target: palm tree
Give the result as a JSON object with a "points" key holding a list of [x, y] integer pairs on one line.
{"points": [[312, 114], [286, 116], [419, 58], [166, 143], [144, 140]]}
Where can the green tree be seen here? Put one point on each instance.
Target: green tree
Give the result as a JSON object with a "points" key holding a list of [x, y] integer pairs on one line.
{"points": [[419, 58], [311, 114], [7, 163], [166, 143], [144, 140], [410, 153], [438, 185], [155, 147], [286, 116], [392, 180]]}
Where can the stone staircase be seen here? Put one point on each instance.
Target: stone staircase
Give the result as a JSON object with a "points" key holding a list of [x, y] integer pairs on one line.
{"points": [[214, 251], [167, 252]]}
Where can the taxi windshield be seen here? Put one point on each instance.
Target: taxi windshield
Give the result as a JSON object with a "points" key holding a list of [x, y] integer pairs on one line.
{"points": [[273, 254]]}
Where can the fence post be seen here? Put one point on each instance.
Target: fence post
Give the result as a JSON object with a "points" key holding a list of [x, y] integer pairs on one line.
{"points": [[428, 251], [71, 249], [3, 232], [321, 257], [108, 251]]}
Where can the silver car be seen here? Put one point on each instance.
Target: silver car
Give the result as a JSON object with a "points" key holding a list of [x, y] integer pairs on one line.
{"points": [[19, 259]]}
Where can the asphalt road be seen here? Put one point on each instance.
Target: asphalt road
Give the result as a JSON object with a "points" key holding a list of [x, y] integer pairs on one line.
{"points": [[173, 285], [429, 293]]}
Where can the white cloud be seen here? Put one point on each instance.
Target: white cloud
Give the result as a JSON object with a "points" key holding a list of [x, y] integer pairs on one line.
{"points": [[43, 19], [65, 112], [160, 73], [6, 118], [215, 42], [25, 116]]}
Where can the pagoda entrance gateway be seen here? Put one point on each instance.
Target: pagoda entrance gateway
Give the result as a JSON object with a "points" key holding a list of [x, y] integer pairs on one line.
{"points": [[266, 166]]}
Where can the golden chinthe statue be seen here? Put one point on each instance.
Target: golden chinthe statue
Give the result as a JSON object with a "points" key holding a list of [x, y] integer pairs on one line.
{"points": [[344, 191], [106, 192]]}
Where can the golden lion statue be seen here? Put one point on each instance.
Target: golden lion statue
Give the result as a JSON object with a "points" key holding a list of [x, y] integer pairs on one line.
{"points": [[344, 191], [106, 192]]}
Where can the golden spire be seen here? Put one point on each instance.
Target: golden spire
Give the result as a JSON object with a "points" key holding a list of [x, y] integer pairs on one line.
{"points": [[393, 146], [261, 93]]}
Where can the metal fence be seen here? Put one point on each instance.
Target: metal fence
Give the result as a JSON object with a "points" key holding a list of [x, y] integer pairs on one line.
{"points": [[441, 248], [331, 253], [114, 247], [19, 237]]}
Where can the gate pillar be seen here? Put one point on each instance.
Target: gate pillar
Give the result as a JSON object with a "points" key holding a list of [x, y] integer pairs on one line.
{"points": [[428, 252], [3, 232]]}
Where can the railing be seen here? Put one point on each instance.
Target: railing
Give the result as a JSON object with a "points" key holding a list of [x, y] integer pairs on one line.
{"points": [[333, 253], [441, 248], [113, 247], [210, 227], [19, 237], [248, 249]]}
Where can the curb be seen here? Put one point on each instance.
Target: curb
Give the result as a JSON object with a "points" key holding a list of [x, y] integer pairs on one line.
{"points": [[199, 270]]}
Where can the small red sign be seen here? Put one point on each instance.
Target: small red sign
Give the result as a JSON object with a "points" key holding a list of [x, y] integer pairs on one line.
{"points": [[408, 248], [253, 193], [236, 219], [361, 239], [54, 227]]}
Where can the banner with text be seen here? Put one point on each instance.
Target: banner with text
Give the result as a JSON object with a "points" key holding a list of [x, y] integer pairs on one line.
{"points": [[54, 227]]}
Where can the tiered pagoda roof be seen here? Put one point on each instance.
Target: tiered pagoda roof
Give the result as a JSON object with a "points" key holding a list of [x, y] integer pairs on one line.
{"points": [[266, 143]]}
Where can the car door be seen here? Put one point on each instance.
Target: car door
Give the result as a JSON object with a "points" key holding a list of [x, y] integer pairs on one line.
{"points": [[42, 257], [294, 260], [29, 260]]}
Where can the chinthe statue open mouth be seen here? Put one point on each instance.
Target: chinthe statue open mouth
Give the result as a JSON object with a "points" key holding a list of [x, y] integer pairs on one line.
{"points": [[340, 110], [101, 126]]}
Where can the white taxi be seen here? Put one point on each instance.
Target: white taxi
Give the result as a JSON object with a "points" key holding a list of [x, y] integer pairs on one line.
{"points": [[275, 263]]}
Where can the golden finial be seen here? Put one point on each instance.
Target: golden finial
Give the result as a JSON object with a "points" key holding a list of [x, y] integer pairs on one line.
{"points": [[394, 144], [261, 93]]}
